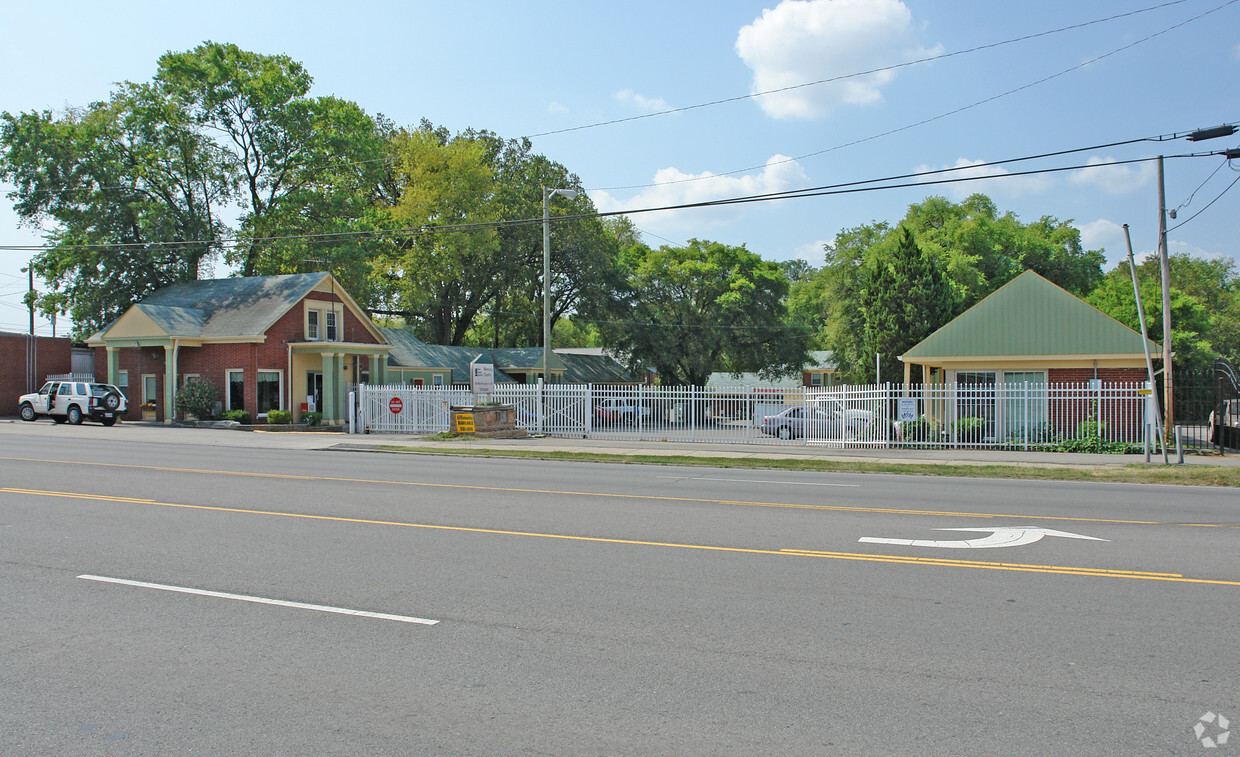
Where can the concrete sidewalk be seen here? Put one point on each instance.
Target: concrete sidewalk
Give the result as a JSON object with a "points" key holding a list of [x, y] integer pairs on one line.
{"points": [[138, 431]]}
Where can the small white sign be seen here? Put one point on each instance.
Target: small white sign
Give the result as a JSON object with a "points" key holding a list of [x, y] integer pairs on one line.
{"points": [[481, 377], [907, 410]]}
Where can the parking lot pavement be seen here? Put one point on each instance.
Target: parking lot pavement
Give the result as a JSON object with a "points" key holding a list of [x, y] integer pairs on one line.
{"points": [[325, 440]]}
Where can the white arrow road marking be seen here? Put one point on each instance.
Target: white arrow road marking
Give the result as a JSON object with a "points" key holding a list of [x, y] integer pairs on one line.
{"points": [[999, 537]]}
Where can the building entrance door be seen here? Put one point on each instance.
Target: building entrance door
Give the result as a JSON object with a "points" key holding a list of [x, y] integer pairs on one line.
{"points": [[314, 388]]}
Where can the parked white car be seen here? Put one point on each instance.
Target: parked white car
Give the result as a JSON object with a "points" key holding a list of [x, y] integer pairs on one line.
{"points": [[620, 410], [74, 401]]}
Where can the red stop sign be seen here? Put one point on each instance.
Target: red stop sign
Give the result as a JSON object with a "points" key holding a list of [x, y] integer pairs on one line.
{"points": [[396, 405]]}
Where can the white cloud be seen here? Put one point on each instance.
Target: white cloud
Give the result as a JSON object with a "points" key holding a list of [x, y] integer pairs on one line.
{"points": [[555, 107], [1011, 186], [813, 252], [1115, 180], [1104, 235], [649, 104], [800, 41], [675, 187]]}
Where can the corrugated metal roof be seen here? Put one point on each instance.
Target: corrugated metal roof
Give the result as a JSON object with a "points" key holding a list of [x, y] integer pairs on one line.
{"points": [[1030, 316]]}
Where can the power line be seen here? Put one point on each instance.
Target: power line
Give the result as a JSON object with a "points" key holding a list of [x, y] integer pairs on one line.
{"points": [[932, 119], [1211, 202], [843, 77], [854, 187]]}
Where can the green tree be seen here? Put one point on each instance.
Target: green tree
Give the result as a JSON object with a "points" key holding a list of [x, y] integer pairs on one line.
{"points": [[1204, 296], [447, 273], [904, 298], [705, 307], [300, 164], [128, 191]]}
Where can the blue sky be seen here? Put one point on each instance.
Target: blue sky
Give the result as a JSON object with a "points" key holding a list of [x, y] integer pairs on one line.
{"points": [[528, 68]]}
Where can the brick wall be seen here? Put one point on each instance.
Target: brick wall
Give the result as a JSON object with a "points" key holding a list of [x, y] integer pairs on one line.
{"points": [[1105, 375], [211, 362], [1119, 418], [53, 356]]}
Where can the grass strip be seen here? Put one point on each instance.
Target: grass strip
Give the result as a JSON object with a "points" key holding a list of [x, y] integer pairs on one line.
{"points": [[1194, 475]]}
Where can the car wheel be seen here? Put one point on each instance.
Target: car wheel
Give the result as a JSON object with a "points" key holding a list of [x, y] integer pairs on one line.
{"points": [[74, 415], [784, 432], [112, 401], [108, 421], [28, 413]]}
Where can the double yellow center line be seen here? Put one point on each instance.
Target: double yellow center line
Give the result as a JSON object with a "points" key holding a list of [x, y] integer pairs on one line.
{"points": [[851, 556]]}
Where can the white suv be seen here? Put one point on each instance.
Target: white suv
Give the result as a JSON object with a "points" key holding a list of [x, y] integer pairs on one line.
{"points": [[73, 401]]}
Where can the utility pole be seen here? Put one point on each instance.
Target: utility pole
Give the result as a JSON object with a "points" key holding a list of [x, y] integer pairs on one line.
{"points": [[1168, 375]]}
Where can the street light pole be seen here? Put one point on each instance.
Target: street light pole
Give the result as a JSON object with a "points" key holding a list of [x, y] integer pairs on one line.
{"points": [[547, 195]]}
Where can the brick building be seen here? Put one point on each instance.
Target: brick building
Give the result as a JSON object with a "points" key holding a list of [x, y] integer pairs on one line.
{"points": [[26, 362], [1032, 333], [291, 342]]}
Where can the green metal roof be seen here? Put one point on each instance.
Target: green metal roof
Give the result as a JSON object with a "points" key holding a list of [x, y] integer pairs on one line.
{"points": [[1030, 316], [594, 369], [410, 352]]}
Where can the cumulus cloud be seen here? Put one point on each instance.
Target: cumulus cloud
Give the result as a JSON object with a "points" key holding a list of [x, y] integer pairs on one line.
{"points": [[1103, 234], [1012, 186], [675, 187], [813, 252], [800, 41], [1115, 180], [649, 104]]}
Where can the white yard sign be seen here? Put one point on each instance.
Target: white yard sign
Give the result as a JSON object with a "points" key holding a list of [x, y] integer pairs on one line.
{"points": [[481, 377]]}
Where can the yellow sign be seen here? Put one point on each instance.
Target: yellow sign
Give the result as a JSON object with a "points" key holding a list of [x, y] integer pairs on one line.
{"points": [[464, 423], [1145, 392]]}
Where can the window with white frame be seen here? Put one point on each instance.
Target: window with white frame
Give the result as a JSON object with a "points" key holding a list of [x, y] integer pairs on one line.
{"points": [[312, 325], [150, 384], [269, 388], [331, 326], [122, 379], [236, 389]]}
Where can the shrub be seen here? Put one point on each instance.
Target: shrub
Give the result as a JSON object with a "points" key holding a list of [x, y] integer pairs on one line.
{"points": [[197, 398], [312, 419], [969, 429], [240, 416], [279, 417], [920, 430]]}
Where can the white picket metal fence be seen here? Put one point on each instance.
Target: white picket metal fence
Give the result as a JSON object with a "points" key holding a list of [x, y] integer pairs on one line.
{"points": [[1014, 416]]}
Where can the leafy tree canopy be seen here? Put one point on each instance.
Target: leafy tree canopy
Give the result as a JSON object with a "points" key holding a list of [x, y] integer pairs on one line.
{"points": [[705, 307]]}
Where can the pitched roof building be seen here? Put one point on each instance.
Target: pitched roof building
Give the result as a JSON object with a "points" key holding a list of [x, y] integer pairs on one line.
{"points": [[291, 342], [1030, 330]]}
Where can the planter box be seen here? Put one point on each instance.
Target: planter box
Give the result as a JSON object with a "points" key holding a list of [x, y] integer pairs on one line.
{"points": [[486, 420]]}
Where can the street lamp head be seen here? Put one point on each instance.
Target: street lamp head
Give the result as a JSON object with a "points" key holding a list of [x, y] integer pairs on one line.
{"points": [[568, 194]]}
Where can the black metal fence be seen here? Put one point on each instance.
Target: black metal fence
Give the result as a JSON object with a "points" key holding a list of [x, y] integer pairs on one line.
{"points": [[1207, 407]]}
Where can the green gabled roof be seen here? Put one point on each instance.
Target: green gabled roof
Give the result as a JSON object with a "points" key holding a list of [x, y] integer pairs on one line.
{"points": [[410, 352], [594, 369], [1030, 316]]}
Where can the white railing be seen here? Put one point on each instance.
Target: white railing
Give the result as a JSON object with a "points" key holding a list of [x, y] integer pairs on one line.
{"points": [[1016, 416], [89, 378]]}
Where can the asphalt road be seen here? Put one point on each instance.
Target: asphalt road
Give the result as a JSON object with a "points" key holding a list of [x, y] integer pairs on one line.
{"points": [[596, 609]]}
